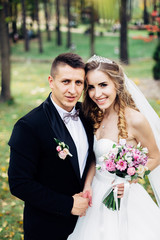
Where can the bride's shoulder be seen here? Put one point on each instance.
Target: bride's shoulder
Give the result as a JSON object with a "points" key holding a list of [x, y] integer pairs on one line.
{"points": [[134, 118]]}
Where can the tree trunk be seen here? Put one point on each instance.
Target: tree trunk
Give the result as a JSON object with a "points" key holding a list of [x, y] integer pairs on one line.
{"points": [[130, 10], [25, 31], [59, 39], [123, 33], [14, 22], [69, 29], [39, 32], [154, 4], [145, 13], [47, 20], [92, 31], [5, 56], [82, 6]]}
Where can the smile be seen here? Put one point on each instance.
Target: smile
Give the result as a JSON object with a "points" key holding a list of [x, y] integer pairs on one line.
{"points": [[101, 101], [71, 98]]}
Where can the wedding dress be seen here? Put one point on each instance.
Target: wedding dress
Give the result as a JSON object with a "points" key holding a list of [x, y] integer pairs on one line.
{"points": [[141, 215]]}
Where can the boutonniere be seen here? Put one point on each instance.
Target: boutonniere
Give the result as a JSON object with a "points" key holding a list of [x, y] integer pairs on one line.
{"points": [[62, 149]]}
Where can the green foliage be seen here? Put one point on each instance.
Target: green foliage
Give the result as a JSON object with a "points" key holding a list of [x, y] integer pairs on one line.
{"points": [[156, 57], [105, 8]]}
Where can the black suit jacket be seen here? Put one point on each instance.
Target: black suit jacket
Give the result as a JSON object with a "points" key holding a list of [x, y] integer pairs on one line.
{"points": [[40, 178]]}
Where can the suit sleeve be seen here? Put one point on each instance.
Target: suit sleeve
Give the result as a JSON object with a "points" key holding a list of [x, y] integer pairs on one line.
{"points": [[22, 170]]}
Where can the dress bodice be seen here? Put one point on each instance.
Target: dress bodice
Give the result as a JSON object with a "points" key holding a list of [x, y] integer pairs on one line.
{"points": [[102, 146]]}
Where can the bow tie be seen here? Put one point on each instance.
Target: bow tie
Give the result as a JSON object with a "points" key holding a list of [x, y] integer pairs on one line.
{"points": [[68, 116]]}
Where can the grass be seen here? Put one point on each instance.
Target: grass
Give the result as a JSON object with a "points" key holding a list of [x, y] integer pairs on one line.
{"points": [[104, 46], [30, 87]]}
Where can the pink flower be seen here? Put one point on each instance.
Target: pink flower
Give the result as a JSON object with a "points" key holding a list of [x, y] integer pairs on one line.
{"points": [[58, 148], [131, 171], [136, 156], [62, 155], [62, 149], [121, 165], [110, 165]]}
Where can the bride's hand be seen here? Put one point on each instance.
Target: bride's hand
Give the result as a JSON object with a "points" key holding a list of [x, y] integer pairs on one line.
{"points": [[121, 187], [120, 190], [134, 181], [87, 193]]}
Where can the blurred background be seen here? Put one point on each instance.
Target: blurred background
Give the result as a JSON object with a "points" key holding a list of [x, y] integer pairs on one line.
{"points": [[34, 32]]}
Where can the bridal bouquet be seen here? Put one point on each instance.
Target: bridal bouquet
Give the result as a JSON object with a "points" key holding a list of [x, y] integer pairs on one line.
{"points": [[125, 161]]}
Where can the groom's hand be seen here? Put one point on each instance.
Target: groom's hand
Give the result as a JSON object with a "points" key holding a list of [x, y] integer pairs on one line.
{"points": [[80, 205]]}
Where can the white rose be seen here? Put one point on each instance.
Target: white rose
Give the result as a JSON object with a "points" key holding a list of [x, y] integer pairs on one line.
{"points": [[65, 150], [141, 170], [115, 150], [128, 157], [139, 144], [62, 144], [145, 150]]}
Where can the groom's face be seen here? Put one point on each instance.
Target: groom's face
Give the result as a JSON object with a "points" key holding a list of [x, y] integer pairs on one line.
{"points": [[67, 86]]}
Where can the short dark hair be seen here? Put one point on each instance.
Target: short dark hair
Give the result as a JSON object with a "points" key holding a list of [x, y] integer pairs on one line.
{"points": [[71, 59]]}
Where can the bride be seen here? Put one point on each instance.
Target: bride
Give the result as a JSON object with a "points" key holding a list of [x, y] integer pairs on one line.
{"points": [[118, 110]]}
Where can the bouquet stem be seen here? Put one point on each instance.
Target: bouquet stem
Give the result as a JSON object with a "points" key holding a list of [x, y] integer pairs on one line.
{"points": [[110, 203]]}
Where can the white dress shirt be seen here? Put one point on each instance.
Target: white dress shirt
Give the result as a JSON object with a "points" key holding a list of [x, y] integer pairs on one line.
{"points": [[78, 135]]}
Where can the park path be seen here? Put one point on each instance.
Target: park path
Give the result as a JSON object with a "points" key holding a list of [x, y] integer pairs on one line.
{"points": [[150, 88]]}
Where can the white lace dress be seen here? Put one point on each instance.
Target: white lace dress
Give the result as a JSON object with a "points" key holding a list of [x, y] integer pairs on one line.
{"points": [[141, 219]]}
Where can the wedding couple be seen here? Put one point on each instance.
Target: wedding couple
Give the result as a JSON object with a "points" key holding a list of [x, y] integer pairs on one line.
{"points": [[55, 147]]}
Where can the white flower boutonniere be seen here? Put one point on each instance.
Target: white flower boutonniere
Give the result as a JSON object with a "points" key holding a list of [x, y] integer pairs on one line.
{"points": [[62, 149]]}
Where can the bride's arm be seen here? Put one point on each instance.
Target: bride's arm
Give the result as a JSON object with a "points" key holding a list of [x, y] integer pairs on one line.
{"points": [[143, 134], [87, 190], [90, 174]]}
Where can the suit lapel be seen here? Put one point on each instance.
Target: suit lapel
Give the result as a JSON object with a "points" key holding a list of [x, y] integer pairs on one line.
{"points": [[61, 133], [89, 132]]}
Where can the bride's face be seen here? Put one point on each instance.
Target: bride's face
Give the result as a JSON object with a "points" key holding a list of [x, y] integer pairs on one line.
{"points": [[101, 89]]}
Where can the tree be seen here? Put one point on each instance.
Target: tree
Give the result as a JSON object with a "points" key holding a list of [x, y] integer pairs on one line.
{"points": [[5, 55], [156, 57], [92, 19], [38, 24], [68, 24], [59, 39], [47, 19], [145, 13], [25, 32], [123, 33], [104, 9], [154, 3], [13, 14], [130, 10], [82, 6]]}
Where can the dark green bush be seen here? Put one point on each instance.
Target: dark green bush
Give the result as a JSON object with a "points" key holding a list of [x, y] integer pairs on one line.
{"points": [[156, 68]]}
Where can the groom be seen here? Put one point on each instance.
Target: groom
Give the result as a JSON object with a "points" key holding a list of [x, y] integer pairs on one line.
{"points": [[51, 151]]}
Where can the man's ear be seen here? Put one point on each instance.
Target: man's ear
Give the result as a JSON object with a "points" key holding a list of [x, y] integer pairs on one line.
{"points": [[50, 80]]}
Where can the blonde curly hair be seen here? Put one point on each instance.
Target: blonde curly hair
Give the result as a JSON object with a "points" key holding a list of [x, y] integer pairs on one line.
{"points": [[123, 98]]}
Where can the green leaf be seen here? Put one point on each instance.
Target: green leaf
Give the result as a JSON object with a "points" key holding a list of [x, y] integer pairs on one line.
{"points": [[57, 141], [147, 172]]}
